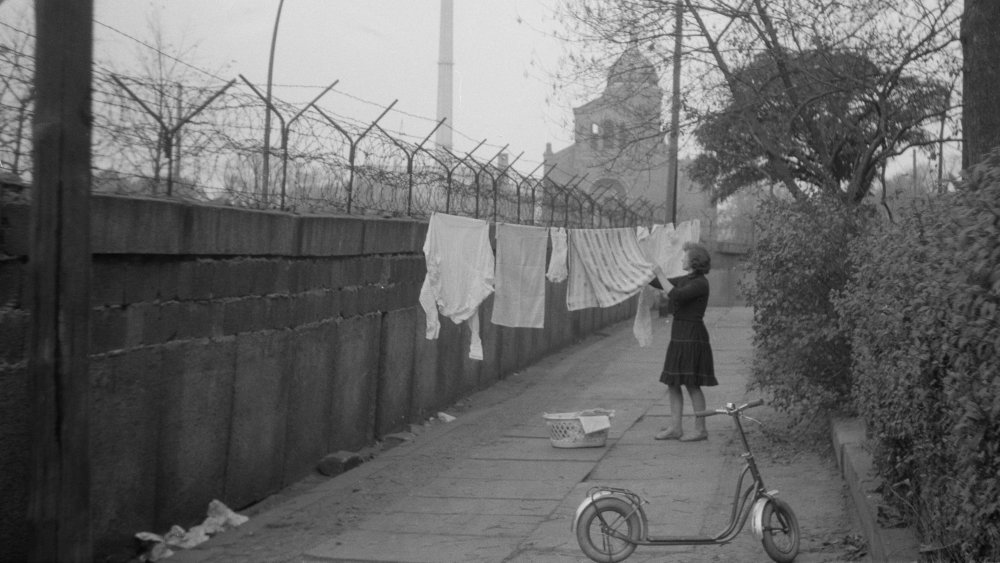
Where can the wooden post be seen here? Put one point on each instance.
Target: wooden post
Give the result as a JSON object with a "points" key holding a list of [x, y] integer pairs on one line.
{"points": [[675, 111], [59, 270]]}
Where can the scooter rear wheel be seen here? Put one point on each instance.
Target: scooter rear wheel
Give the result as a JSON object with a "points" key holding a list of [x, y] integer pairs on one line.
{"points": [[599, 520], [781, 531]]}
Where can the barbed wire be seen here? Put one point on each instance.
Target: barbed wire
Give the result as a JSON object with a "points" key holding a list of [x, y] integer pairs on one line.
{"points": [[204, 141]]}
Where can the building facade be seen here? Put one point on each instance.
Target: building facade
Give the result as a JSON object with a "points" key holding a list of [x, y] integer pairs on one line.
{"points": [[619, 146]]}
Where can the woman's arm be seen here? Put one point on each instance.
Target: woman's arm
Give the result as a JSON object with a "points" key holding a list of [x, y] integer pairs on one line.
{"points": [[695, 288]]}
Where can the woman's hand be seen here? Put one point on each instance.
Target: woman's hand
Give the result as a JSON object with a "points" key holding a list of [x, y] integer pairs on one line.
{"points": [[658, 271]]}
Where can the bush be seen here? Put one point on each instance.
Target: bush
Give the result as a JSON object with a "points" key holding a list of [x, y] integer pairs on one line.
{"points": [[921, 311], [802, 357]]}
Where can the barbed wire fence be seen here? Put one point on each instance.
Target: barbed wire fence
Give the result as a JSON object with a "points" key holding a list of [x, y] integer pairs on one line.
{"points": [[205, 142]]}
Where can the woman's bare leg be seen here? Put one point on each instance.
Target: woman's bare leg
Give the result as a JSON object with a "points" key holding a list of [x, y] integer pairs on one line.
{"points": [[697, 404], [675, 430]]}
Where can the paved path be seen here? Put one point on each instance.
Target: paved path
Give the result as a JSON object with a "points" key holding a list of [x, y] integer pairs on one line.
{"points": [[489, 487]]}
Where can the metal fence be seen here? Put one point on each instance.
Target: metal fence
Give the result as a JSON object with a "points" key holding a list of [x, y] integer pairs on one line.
{"points": [[205, 142]]}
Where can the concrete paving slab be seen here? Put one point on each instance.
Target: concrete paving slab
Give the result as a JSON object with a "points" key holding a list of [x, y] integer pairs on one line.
{"points": [[416, 504], [458, 524], [360, 545], [534, 449], [537, 489], [526, 431], [525, 470]]}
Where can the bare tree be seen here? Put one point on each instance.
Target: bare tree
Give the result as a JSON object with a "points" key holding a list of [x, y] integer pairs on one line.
{"points": [[17, 93], [777, 69], [158, 88]]}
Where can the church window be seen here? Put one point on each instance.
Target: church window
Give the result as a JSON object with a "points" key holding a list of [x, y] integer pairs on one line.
{"points": [[608, 134]]}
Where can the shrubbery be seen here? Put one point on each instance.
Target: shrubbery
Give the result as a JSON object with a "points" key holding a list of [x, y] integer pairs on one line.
{"points": [[802, 358], [900, 321], [921, 311]]}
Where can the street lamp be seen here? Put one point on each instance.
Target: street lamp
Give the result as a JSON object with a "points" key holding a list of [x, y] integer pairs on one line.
{"points": [[267, 110]]}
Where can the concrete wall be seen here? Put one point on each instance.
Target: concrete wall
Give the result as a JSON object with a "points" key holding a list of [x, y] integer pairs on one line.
{"points": [[232, 349]]}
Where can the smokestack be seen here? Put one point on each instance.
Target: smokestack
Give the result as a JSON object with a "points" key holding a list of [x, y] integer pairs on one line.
{"points": [[446, 66]]}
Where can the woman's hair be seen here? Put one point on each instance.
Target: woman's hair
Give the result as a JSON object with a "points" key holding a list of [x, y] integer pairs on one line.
{"points": [[698, 257]]}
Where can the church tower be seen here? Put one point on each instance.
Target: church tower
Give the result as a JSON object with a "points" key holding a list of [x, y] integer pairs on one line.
{"points": [[619, 143]]}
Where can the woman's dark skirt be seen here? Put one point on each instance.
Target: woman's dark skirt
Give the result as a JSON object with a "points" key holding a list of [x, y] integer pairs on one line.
{"points": [[689, 355]]}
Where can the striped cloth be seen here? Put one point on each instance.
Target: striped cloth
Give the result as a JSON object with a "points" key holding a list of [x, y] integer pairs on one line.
{"points": [[606, 267]]}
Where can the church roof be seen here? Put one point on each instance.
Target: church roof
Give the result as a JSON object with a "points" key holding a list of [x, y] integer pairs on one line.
{"points": [[633, 68]]}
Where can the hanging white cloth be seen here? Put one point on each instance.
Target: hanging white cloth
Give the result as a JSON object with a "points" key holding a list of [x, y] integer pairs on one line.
{"points": [[606, 267], [664, 247], [459, 277], [519, 300], [557, 262]]}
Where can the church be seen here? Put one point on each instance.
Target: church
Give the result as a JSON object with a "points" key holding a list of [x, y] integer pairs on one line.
{"points": [[619, 144]]}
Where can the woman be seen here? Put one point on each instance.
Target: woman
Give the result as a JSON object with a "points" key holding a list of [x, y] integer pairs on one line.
{"points": [[689, 354]]}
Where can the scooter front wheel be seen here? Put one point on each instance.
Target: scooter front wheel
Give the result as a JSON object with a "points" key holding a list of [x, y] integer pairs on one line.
{"points": [[780, 531], [608, 529]]}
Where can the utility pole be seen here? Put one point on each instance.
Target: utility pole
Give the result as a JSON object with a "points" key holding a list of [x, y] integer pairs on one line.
{"points": [[59, 277], [675, 110]]}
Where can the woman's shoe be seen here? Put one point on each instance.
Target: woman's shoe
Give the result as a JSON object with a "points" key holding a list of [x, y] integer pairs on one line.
{"points": [[667, 434]]}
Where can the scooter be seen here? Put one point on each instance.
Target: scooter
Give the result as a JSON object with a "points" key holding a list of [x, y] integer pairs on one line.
{"points": [[611, 522]]}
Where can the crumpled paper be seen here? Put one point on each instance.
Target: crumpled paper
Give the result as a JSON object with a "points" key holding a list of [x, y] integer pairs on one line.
{"points": [[219, 519]]}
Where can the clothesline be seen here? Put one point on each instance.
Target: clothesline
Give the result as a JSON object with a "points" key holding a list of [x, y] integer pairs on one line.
{"points": [[602, 267]]}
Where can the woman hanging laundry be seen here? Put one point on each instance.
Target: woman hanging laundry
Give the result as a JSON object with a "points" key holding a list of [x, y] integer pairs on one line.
{"points": [[689, 354]]}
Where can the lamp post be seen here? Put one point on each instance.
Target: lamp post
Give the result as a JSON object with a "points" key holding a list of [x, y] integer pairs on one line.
{"points": [[267, 110]]}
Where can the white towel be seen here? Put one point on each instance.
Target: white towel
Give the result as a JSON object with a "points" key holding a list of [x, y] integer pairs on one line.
{"points": [[519, 300], [642, 326], [557, 262], [459, 274], [593, 424], [606, 267]]}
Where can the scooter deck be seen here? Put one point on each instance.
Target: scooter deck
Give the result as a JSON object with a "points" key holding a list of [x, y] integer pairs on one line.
{"points": [[678, 540]]}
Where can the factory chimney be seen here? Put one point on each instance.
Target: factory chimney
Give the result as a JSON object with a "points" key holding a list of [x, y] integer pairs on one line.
{"points": [[446, 67]]}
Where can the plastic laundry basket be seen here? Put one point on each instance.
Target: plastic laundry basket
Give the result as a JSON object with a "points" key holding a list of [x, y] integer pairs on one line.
{"points": [[566, 429]]}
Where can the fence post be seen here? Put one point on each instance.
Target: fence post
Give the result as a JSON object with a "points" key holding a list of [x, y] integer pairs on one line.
{"points": [[518, 189], [286, 128], [409, 160], [571, 188], [167, 133], [496, 182], [353, 143], [481, 168]]}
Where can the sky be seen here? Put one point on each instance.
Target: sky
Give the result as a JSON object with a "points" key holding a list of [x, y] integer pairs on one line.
{"points": [[380, 51]]}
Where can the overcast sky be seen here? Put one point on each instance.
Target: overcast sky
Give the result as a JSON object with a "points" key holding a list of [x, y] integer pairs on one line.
{"points": [[380, 50]]}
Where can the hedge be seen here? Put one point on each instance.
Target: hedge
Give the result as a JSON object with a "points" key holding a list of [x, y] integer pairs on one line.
{"points": [[920, 311]]}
